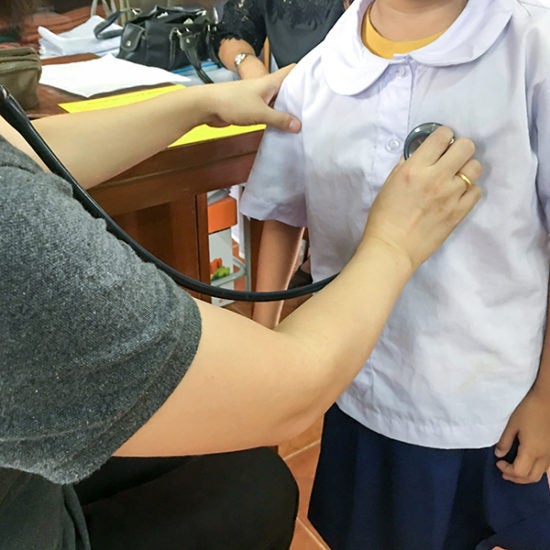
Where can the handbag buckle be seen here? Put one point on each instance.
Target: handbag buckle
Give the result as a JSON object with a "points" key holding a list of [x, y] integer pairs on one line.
{"points": [[184, 38]]}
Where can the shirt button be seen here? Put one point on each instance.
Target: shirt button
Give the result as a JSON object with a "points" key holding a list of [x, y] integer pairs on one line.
{"points": [[393, 145], [402, 71]]}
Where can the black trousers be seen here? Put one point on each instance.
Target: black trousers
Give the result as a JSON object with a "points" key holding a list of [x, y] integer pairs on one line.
{"points": [[245, 500]]}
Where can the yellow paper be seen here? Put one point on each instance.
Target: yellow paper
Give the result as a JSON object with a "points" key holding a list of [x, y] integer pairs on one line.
{"points": [[200, 133]]}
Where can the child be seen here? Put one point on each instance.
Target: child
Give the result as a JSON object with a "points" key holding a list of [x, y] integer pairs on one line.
{"points": [[408, 457]]}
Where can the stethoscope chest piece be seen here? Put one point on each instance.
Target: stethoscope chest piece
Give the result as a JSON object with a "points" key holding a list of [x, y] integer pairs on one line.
{"points": [[417, 137]]}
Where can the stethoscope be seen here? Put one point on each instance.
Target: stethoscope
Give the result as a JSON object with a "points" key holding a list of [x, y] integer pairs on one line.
{"points": [[417, 136], [14, 114]]}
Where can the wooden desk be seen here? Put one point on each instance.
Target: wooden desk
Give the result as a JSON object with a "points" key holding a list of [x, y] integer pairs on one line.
{"points": [[161, 202]]}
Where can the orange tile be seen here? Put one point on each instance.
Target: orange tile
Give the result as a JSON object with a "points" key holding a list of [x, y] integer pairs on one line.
{"points": [[302, 465], [306, 539], [307, 438]]}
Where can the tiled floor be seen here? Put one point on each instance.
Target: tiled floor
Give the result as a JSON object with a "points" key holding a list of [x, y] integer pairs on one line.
{"points": [[301, 454]]}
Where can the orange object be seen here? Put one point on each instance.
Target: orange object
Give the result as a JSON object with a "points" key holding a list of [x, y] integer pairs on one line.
{"points": [[222, 214], [215, 264]]}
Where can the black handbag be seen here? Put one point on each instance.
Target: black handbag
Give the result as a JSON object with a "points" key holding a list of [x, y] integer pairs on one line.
{"points": [[169, 38]]}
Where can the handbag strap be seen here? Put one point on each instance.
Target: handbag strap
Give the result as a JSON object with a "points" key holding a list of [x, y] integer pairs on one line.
{"points": [[189, 44], [212, 53], [100, 30]]}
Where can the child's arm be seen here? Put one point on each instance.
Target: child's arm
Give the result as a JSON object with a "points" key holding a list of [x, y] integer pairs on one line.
{"points": [[530, 424], [279, 248]]}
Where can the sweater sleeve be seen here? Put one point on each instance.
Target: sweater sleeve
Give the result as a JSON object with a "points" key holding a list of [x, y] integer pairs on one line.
{"points": [[93, 339]]}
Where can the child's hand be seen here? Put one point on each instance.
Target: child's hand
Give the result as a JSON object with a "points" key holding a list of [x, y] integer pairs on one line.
{"points": [[530, 423]]}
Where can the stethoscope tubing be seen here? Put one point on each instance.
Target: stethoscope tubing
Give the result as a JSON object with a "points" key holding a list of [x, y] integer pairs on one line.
{"points": [[14, 114]]}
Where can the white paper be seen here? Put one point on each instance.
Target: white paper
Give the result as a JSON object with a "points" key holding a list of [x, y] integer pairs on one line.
{"points": [[81, 39], [105, 74]]}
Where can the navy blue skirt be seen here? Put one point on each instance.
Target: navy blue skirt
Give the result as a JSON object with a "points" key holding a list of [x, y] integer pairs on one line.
{"points": [[375, 493]]}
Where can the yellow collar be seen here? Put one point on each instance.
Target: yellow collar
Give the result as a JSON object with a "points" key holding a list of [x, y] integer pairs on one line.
{"points": [[385, 48]]}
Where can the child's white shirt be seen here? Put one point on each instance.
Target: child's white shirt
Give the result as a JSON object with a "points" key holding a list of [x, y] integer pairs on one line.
{"points": [[462, 346]]}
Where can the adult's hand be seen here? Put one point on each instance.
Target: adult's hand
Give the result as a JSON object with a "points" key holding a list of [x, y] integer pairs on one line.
{"points": [[425, 198], [174, 114], [247, 102]]}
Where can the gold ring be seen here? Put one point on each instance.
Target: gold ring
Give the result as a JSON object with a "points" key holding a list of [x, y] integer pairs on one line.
{"points": [[465, 179]]}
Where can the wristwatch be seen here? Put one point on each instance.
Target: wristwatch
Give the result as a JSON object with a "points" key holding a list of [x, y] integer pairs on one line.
{"points": [[239, 58]]}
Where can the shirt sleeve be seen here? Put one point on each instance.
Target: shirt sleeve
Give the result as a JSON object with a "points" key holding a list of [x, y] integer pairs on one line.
{"points": [[94, 340], [275, 188]]}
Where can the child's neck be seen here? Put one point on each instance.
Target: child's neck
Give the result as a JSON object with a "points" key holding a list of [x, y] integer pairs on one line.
{"points": [[405, 20]]}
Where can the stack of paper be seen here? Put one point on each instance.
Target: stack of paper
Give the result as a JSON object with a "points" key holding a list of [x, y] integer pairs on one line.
{"points": [[105, 74], [81, 39]]}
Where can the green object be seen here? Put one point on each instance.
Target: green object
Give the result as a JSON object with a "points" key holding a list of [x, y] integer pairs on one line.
{"points": [[221, 272], [8, 36], [20, 69]]}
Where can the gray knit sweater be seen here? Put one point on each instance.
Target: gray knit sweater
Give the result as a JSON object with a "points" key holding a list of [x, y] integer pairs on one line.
{"points": [[92, 342]]}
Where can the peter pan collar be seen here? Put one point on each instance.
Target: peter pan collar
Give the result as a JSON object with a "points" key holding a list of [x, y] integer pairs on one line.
{"points": [[349, 67]]}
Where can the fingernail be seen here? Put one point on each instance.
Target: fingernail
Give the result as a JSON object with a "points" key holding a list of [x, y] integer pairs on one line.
{"points": [[499, 453], [294, 125]]}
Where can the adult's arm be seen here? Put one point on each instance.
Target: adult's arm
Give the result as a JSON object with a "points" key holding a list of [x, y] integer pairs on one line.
{"points": [[250, 386], [242, 30], [251, 67], [98, 145]]}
